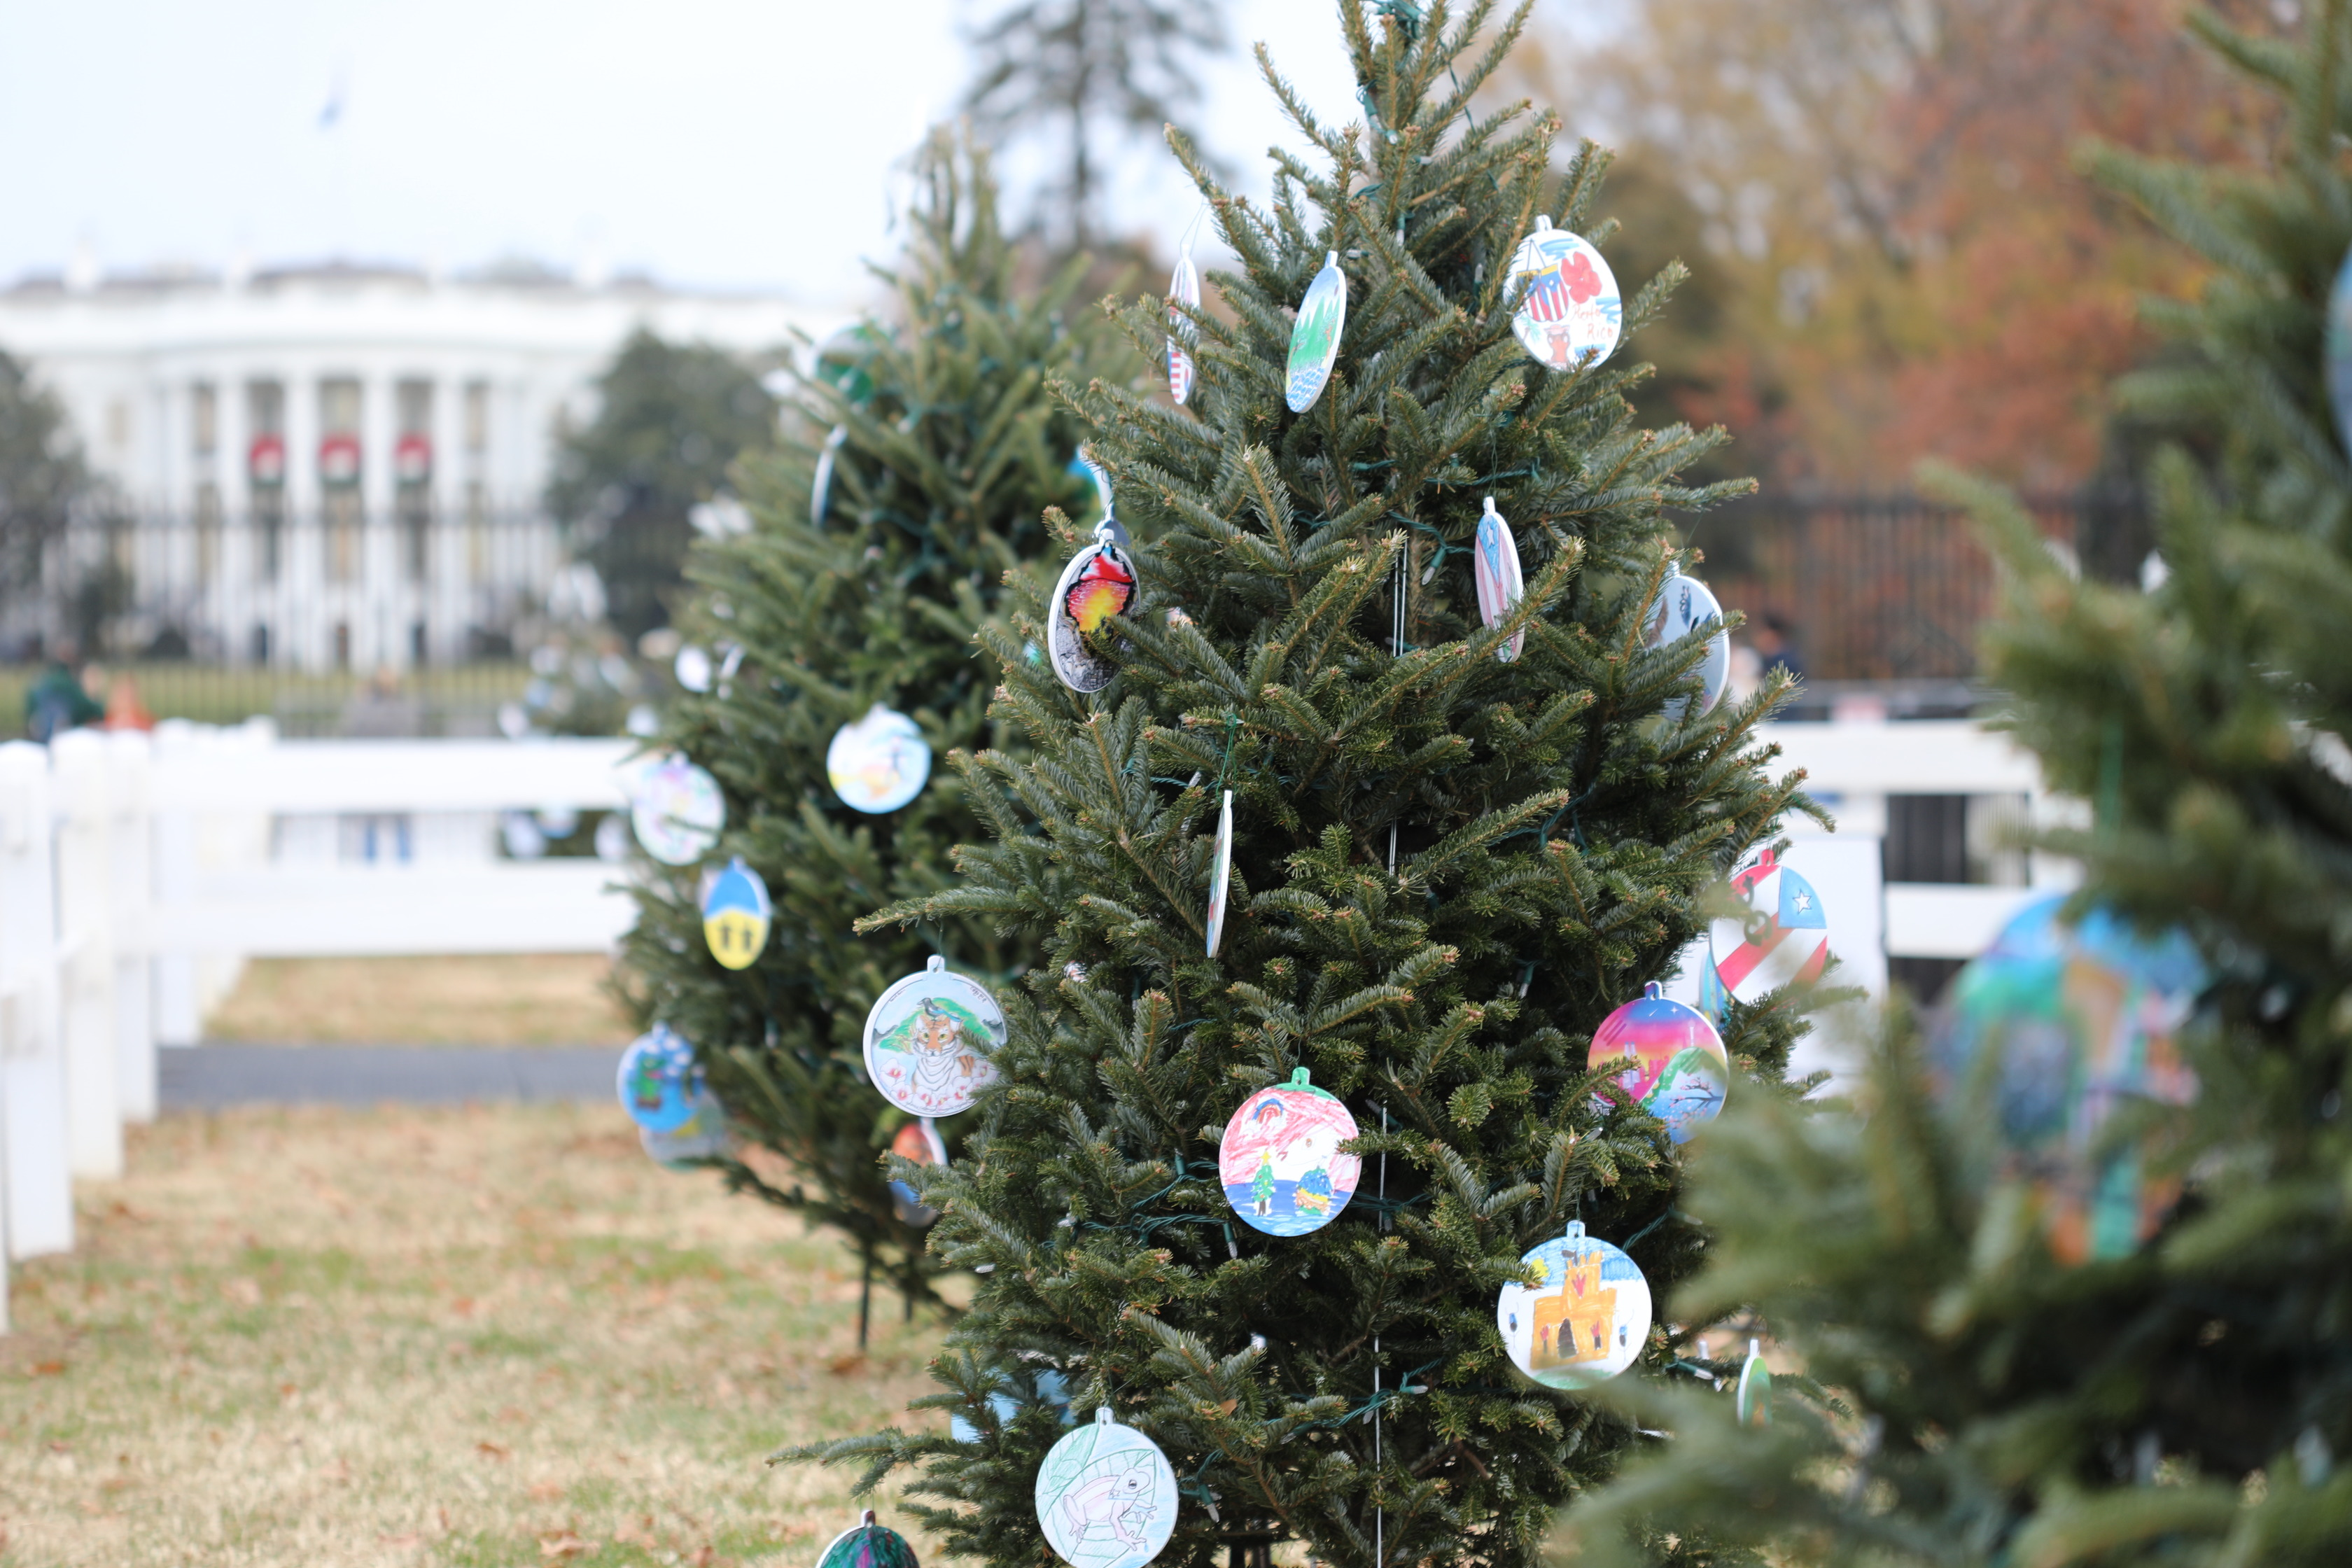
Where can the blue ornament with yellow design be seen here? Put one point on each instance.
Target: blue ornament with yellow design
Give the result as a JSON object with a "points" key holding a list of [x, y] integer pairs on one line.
{"points": [[736, 911]]}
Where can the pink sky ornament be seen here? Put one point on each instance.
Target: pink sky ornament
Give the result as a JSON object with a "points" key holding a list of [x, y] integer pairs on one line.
{"points": [[1280, 1163]]}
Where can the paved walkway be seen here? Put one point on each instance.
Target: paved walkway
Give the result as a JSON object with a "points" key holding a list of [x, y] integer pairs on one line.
{"points": [[206, 1077]]}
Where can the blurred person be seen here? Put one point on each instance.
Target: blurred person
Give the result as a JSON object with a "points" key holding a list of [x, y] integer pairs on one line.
{"points": [[1769, 635], [380, 710], [56, 701], [124, 710]]}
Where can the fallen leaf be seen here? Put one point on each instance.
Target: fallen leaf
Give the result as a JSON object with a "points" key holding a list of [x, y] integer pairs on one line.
{"points": [[410, 1539], [48, 1368], [846, 1366], [546, 1491], [495, 1451], [563, 1545], [243, 1291]]}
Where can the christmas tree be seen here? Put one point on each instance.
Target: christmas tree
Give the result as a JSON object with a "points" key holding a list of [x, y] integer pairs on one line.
{"points": [[1448, 866], [941, 452], [2000, 1387]]}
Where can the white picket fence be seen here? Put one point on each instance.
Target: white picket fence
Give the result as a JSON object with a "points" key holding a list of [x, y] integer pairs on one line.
{"points": [[138, 874]]}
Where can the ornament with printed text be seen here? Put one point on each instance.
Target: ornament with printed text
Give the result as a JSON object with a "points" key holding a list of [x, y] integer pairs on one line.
{"points": [[1099, 583], [1494, 571], [1570, 313], [1184, 289], [1220, 874], [866, 1544], [676, 810], [878, 763], [1685, 606], [1105, 1496], [1281, 1163], [1315, 336], [1780, 937], [1676, 1068], [659, 1081], [921, 1143], [929, 1039], [1753, 1402], [736, 911], [1585, 1319]]}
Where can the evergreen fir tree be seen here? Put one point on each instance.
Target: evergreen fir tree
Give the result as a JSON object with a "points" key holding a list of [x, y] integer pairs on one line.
{"points": [[949, 453], [1447, 870], [2185, 1405]]}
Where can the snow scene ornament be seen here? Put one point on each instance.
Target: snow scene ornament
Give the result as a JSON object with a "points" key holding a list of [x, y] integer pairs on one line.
{"points": [[821, 487], [918, 1142], [1683, 605], [2340, 351], [736, 911], [1753, 1403], [2047, 1036], [1572, 308], [659, 1084], [1495, 570], [1220, 874], [866, 1544], [1584, 1319], [1280, 1162], [1780, 937], [878, 763], [1098, 582], [676, 810], [1315, 337], [1184, 289], [1105, 1496], [928, 1038], [703, 1135], [1678, 1071]]}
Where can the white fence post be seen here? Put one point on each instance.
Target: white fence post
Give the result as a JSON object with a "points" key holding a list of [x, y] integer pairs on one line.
{"points": [[130, 892], [85, 899], [178, 1016], [38, 1212]]}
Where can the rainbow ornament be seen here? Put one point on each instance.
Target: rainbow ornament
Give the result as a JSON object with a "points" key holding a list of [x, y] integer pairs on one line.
{"points": [[1280, 1163], [1679, 1071], [736, 911], [866, 1544]]}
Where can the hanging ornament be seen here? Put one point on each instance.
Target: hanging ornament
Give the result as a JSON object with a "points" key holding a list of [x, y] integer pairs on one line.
{"points": [[2085, 1021], [659, 1082], [1584, 1319], [1781, 938], [736, 911], [1753, 1403], [676, 810], [1681, 606], [821, 490], [1679, 1071], [878, 763], [867, 1544], [1220, 874], [692, 668], [920, 1141], [703, 1135], [1085, 463], [1495, 568], [928, 1038], [1280, 1162], [1572, 308], [1315, 337], [1105, 1496], [1184, 289], [2339, 352], [1098, 582]]}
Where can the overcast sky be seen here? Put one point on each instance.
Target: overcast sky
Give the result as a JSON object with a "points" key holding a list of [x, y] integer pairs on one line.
{"points": [[711, 143]]}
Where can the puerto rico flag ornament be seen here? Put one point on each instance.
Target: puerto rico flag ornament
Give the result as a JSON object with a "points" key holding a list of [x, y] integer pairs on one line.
{"points": [[1782, 938]]}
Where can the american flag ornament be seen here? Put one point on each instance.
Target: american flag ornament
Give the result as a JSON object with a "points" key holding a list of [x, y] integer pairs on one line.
{"points": [[1782, 936], [1571, 314]]}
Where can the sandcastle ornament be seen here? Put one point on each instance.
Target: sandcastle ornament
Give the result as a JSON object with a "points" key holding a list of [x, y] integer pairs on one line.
{"points": [[1280, 1163], [1676, 1068], [676, 811], [736, 911], [1315, 336], [659, 1086], [1494, 569], [866, 1544], [1586, 1318], [1105, 1496], [1571, 308], [1683, 605], [929, 1039], [878, 763]]}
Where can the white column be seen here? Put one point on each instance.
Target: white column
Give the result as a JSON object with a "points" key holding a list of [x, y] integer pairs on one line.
{"points": [[38, 1213], [84, 896], [130, 879]]}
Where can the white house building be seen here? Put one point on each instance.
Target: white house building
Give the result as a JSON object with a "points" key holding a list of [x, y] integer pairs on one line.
{"points": [[338, 465]]}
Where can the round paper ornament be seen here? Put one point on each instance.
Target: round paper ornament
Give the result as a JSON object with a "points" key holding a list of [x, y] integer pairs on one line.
{"points": [[1280, 1163], [1184, 289], [2048, 1033], [918, 1142], [1753, 1402], [1315, 336], [1572, 307], [928, 1038], [736, 911], [1098, 582], [1679, 1071], [878, 763], [659, 1082], [1781, 937], [703, 1135], [1683, 605], [678, 811], [2340, 351], [1584, 1319], [692, 668], [1495, 570], [1105, 1496], [1220, 874], [821, 487], [867, 1544]]}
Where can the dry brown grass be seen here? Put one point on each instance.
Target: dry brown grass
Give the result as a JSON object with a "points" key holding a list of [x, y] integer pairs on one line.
{"points": [[542, 999], [468, 1337]]}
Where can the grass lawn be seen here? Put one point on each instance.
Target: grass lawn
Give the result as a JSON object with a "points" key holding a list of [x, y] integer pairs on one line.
{"points": [[470, 1336], [539, 999]]}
